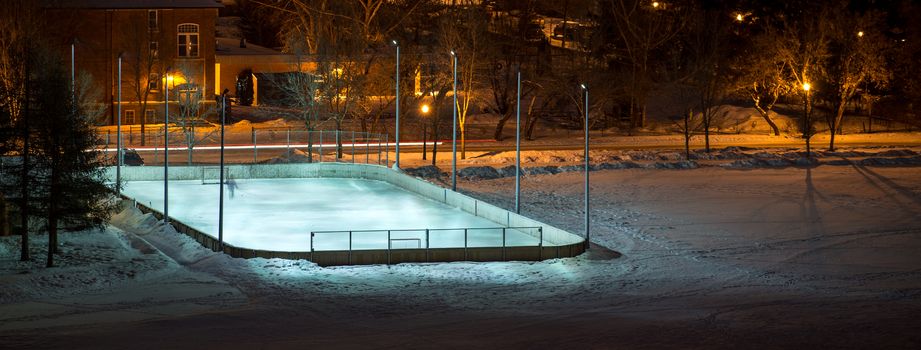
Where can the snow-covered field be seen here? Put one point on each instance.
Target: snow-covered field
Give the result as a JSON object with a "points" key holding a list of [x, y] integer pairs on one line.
{"points": [[714, 257], [279, 214]]}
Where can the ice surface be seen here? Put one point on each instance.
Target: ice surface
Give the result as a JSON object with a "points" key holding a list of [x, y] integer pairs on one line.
{"points": [[279, 214]]}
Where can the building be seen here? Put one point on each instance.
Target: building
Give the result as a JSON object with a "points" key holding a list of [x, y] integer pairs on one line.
{"points": [[162, 44]]}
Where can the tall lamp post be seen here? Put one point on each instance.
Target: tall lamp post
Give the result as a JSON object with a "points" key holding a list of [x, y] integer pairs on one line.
{"points": [[807, 125], [518, 146], [118, 133], [396, 164], [588, 236], [166, 147], [425, 111], [220, 219], [454, 133]]}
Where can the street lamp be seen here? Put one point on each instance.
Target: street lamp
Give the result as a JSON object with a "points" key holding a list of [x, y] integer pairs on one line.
{"points": [[220, 219], [396, 165], [518, 145], [585, 122], [655, 4], [860, 34], [118, 133], [739, 17], [807, 126], [168, 80], [454, 133], [425, 111]]}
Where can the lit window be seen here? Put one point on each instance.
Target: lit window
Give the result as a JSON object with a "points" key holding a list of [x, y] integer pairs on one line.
{"points": [[152, 20], [153, 83], [188, 40], [130, 117], [154, 50]]}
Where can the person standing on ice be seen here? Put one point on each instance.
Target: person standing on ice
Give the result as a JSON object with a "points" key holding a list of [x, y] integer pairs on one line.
{"points": [[231, 185]]}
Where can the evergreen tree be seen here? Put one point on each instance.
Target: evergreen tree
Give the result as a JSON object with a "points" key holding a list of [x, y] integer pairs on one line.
{"points": [[71, 182]]}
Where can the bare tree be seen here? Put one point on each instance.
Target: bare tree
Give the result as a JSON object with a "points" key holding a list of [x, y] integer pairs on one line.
{"points": [[857, 58], [709, 71], [763, 76], [638, 29], [189, 96], [142, 54], [803, 48], [20, 24], [464, 32]]}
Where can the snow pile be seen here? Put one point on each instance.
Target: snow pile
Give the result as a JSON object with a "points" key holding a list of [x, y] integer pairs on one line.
{"points": [[178, 246], [87, 260]]}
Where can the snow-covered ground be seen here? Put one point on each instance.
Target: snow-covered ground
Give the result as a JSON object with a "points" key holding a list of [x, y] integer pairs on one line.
{"points": [[714, 257], [280, 214]]}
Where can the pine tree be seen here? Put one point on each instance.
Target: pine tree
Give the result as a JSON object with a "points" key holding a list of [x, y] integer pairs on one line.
{"points": [[71, 182]]}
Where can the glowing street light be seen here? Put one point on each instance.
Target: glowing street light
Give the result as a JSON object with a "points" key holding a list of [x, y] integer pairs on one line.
{"points": [[860, 34], [655, 4], [425, 111], [807, 126], [739, 17]]}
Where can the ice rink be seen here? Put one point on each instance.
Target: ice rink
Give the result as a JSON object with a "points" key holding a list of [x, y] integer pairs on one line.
{"points": [[279, 214]]}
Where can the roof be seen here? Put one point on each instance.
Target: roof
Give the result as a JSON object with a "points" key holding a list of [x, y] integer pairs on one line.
{"points": [[231, 47], [132, 4]]}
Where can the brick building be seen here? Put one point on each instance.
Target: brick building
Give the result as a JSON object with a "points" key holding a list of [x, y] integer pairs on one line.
{"points": [[160, 41]]}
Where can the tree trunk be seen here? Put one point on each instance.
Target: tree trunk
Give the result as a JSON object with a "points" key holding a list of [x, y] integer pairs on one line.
{"points": [[687, 136], [24, 175], [53, 211], [707, 130], [434, 136], [836, 122], [338, 139], [463, 135], [767, 118], [501, 124]]}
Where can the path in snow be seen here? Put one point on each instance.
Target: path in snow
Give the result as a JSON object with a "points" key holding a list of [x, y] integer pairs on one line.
{"points": [[712, 258]]}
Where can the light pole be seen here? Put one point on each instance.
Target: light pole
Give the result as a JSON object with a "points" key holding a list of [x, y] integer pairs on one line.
{"points": [[518, 146], [73, 73], [454, 133], [118, 133], [425, 111], [807, 126], [588, 236], [220, 218], [396, 164], [166, 147]]}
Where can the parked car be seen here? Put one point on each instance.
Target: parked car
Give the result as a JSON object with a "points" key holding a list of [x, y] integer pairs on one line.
{"points": [[131, 157], [565, 29]]}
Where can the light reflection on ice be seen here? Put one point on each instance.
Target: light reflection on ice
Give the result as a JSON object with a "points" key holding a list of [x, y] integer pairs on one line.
{"points": [[279, 214]]}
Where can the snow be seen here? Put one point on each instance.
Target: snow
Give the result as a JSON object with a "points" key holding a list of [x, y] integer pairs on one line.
{"points": [[279, 214], [712, 257]]}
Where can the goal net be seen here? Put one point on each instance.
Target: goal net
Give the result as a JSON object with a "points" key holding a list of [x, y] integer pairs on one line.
{"points": [[211, 175]]}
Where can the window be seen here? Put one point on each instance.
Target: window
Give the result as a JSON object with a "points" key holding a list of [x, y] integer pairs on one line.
{"points": [[154, 50], [188, 40], [150, 116], [152, 24], [130, 117], [153, 83]]}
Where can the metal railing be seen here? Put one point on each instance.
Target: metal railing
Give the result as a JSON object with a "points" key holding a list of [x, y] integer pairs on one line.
{"points": [[385, 239], [202, 147]]}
